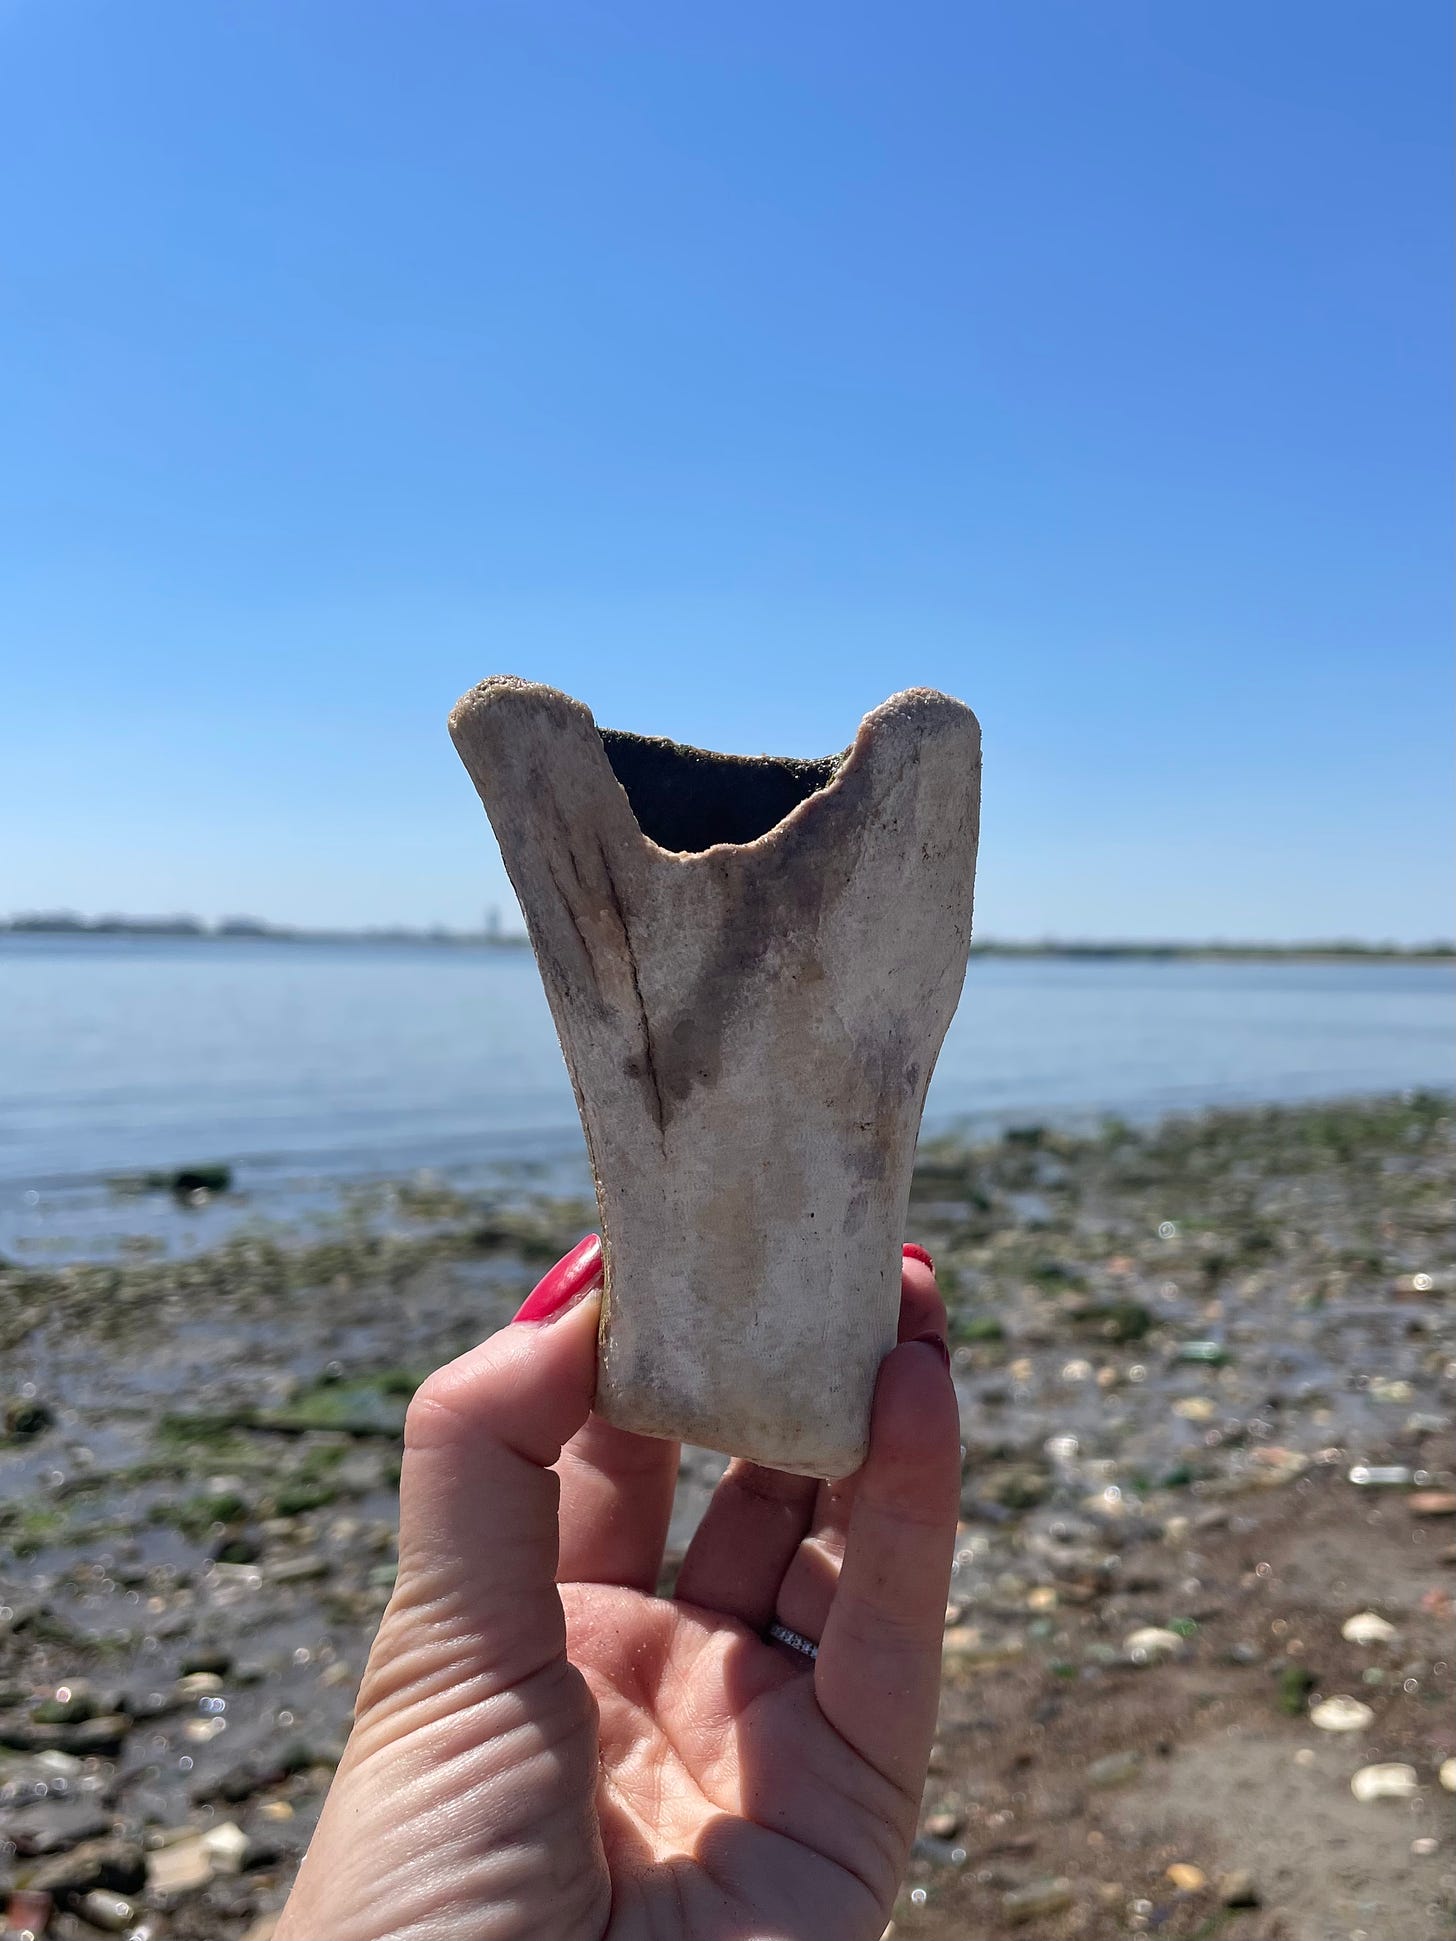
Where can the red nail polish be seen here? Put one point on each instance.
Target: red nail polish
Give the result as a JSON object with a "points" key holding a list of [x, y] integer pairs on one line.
{"points": [[571, 1277], [913, 1251], [939, 1343]]}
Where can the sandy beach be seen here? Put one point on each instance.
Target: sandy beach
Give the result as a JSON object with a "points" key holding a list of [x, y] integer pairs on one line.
{"points": [[1206, 1373]]}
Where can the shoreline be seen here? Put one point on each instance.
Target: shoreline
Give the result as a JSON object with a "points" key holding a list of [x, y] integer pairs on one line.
{"points": [[1192, 1359], [1325, 951]]}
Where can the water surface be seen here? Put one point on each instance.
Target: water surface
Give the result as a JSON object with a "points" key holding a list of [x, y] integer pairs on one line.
{"points": [[302, 1063]]}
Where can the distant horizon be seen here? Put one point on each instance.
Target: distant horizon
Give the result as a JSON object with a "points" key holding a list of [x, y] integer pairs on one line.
{"points": [[495, 931]]}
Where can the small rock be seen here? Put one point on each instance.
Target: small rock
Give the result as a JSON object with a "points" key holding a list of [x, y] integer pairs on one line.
{"points": [[1196, 1408], [1341, 1714], [25, 1417], [1212, 1354], [1042, 1897], [1447, 1775], [262, 1928], [1367, 1627], [1384, 1782], [944, 1826], [228, 1845], [198, 1684], [1432, 1502], [1150, 1642], [1237, 1889], [182, 1868], [114, 1864], [299, 1570], [1187, 1878], [110, 1912], [1115, 1769]]}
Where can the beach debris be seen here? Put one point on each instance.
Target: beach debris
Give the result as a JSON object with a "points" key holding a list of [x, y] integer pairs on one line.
{"points": [[1341, 1714], [1152, 1641], [1394, 1475], [1212, 1354], [1391, 1781], [112, 1913], [1114, 1769], [182, 1867], [1041, 1897], [1368, 1627], [228, 1845], [710, 930], [1196, 1408], [1237, 1889]]}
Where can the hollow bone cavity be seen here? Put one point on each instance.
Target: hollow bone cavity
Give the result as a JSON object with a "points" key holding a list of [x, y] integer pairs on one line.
{"points": [[751, 963]]}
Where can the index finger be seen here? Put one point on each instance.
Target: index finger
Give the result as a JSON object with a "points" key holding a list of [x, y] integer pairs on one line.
{"points": [[877, 1676]]}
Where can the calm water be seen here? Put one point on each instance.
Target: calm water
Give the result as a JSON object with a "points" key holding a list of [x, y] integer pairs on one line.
{"points": [[312, 1060]]}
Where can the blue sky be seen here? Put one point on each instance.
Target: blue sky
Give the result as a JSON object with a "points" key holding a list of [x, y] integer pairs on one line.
{"points": [[730, 367]]}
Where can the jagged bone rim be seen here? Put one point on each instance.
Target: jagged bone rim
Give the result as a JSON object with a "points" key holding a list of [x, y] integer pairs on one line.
{"points": [[839, 770]]}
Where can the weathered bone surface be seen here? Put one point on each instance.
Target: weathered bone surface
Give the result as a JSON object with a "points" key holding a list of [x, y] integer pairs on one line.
{"points": [[751, 963]]}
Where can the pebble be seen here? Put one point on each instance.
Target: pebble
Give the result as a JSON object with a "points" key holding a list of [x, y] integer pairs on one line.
{"points": [[1187, 1878], [1447, 1775], [110, 1912], [1042, 1897], [1384, 1782], [228, 1845], [1432, 1502], [1114, 1769], [944, 1826], [1237, 1889], [299, 1570], [1151, 1641], [1341, 1714], [181, 1868], [198, 1684], [1367, 1627]]}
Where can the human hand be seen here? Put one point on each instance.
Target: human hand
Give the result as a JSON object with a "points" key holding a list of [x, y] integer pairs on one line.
{"points": [[543, 1747]]}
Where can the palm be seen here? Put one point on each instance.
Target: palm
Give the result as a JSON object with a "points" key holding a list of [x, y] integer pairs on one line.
{"points": [[543, 1747], [725, 1794]]}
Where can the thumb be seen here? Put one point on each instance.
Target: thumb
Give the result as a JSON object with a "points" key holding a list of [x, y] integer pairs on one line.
{"points": [[478, 1499]]}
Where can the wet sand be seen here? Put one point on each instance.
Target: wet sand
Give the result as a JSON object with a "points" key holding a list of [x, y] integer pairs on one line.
{"points": [[1207, 1375]]}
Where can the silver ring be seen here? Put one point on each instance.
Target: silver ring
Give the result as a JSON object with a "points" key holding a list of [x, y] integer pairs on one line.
{"points": [[781, 1634]]}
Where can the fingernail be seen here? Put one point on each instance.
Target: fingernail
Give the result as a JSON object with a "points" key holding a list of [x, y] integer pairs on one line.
{"points": [[572, 1276], [913, 1251], [939, 1343]]}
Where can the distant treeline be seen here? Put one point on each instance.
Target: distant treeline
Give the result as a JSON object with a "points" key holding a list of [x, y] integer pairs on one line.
{"points": [[65, 923]]}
